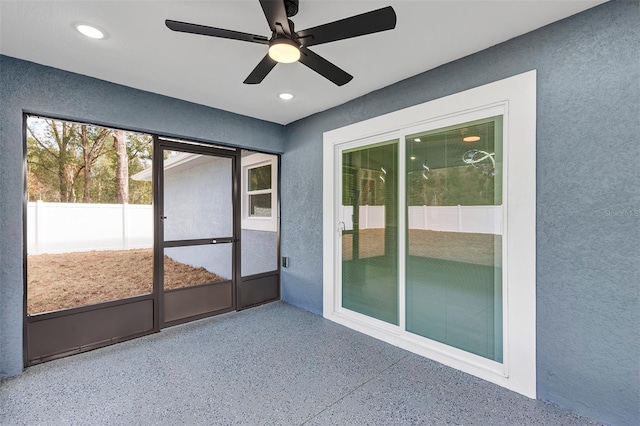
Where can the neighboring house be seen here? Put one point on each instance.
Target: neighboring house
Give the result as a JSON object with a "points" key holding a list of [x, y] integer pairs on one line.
{"points": [[587, 275], [184, 173]]}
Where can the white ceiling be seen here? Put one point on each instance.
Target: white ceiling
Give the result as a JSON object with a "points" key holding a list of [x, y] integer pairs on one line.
{"points": [[141, 52]]}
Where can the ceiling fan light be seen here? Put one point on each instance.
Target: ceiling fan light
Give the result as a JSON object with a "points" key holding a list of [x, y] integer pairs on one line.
{"points": [[284, 51]]}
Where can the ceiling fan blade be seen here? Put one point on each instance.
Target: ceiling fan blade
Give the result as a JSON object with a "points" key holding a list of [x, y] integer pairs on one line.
{"points": [[358, 25], [185, 27], [324, 67], [261, 70], [276, 15]]}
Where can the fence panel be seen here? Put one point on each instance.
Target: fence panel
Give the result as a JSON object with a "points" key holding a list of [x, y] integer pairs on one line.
{"points": [[468, 219], [69, 227]]}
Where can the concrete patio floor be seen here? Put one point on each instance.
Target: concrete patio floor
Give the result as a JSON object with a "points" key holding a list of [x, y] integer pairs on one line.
{"points": [[274, 365]]}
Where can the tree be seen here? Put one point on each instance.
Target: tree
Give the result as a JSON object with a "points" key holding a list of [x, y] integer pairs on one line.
{"points": [[140, 152], [122, 166], [58, 150], [65, 159], [92, 142]]}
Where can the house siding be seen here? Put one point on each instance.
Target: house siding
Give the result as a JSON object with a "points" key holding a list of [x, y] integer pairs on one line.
{"points": [[588, 198]]}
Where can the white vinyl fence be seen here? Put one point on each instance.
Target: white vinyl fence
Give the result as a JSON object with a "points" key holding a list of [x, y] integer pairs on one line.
{"points": [[468, 219], [68, 227]]}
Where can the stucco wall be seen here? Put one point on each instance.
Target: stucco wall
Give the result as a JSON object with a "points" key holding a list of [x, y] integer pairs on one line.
{"points": [[198, 200], [25, 86], [259, 252], [588, 224], [588, 198]]}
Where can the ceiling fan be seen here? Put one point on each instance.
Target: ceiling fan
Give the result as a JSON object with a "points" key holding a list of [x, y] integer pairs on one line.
{"points": [[287, 45]]}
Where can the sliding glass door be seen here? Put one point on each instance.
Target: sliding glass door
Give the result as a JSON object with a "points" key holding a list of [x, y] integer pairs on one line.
{"points": [[429, 218], [420, 246]]}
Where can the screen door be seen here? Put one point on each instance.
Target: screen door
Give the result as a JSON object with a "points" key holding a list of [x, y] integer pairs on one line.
{"points": [[197, 228]]}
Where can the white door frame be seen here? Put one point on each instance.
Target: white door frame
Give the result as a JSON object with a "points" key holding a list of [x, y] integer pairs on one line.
{"points": [[515, 99]]}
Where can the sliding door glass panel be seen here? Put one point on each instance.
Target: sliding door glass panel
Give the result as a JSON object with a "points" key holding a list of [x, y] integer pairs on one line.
{"points": [[197, 196], [369, 236], [454, 236]]}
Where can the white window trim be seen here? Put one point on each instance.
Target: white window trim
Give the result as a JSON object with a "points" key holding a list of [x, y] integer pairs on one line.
{"points": [[516, 97], [260, 223]]}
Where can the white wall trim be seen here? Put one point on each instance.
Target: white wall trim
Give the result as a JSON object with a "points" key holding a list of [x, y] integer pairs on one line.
{"points": [[516, 98]]}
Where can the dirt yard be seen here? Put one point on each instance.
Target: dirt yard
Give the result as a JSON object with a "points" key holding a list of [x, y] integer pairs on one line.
{"points": [[60, 281]]}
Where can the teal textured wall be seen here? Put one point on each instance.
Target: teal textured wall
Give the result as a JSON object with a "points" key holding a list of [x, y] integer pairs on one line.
{"points": [[588, 198], [588, 214]]}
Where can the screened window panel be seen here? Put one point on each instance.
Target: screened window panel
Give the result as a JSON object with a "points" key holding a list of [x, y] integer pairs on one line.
{"points": [[198, 198]]}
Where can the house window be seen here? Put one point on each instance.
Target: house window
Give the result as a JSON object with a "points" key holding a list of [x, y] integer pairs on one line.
{"points": [[259, 191], [259, 186], [429, 230]]}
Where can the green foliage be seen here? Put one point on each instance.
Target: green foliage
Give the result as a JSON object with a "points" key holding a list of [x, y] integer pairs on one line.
{"points": [[451, 186], [140, 152], [260, 178], [59, 153]]}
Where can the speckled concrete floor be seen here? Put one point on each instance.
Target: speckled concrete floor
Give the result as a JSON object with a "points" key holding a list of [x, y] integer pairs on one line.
{"points": [[274, 365]]}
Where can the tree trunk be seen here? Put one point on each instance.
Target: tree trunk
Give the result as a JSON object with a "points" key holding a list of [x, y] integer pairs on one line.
{"points": [[66, 169], [88, 163], [122, 166]]}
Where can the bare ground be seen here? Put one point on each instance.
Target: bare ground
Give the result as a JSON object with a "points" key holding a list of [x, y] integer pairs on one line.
{"points": [[60, 281]]}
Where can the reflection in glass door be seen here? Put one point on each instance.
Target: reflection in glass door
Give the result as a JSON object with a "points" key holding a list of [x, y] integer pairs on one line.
{"points": [[197, 212], [369, 230], [454, 236]]}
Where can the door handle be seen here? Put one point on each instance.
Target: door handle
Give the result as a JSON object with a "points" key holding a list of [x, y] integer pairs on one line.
{"points": [[224, 241]]}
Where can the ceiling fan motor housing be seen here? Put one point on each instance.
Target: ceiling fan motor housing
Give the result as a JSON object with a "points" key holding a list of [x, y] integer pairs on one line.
{"points": [[291, 7]]}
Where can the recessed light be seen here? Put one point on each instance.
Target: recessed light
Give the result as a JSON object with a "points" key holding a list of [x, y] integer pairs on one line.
{"points": [[416, 140], [285, 96], [413, 158], [90, 31], [471, 139]]}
